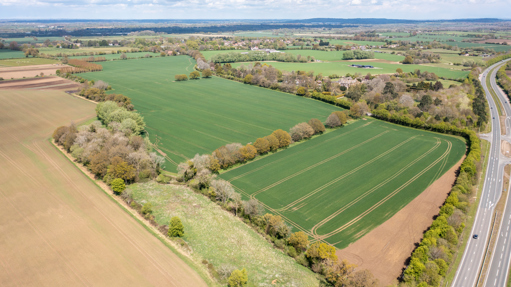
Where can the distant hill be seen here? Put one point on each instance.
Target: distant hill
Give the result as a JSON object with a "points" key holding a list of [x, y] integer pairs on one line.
{"points": [[376, 21]]}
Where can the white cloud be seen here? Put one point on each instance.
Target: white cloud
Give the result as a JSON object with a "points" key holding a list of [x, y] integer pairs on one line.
{"points": [[255, 9]]}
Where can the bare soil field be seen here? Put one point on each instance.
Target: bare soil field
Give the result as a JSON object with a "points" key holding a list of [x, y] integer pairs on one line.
{"points": [[385, 249], [57, 227], [54, 83], [29, 71], [508, 73]]}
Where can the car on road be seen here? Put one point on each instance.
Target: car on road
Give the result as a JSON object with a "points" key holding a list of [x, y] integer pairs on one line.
{"points": [[475, 236]]}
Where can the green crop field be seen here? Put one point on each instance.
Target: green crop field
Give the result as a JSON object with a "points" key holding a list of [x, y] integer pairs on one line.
{"points": [[185, 118], [32, 39], [70, 52], [341, 185], [26, 62], [10, 54], [111, 56], [343, 67]]}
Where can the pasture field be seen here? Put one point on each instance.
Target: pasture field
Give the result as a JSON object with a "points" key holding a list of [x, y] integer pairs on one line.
{"points": [[318, 55], [55, 51], [58, 227], [351, 42], [343, 67], [220, 238], [199, 116], [26, 62], [118, 56], [26, 40], [340, 186], [10, 54]]}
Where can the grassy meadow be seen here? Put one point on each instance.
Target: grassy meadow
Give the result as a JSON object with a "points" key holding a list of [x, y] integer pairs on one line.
{"points": [[339, 186], [221, 238], [18, 62], [10, 54], [111, 56], [199, 116], [318, 55], [343, 67]]}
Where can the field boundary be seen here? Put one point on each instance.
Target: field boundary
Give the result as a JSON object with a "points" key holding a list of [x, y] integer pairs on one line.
{"points": [[151, 229]]}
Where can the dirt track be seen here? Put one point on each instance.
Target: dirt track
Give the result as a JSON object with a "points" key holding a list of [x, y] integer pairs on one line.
{"points": [[56, 227], [384, 250], [29, 71]]}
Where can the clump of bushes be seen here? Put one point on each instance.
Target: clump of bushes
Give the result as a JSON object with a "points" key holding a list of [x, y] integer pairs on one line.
{"points": [[181, 77], [98, 95]]}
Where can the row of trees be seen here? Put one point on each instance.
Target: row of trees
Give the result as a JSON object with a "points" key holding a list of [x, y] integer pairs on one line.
{"points": [[318, 256], [431, 259], [99, 95], [234, 153], [195, 75], [79, 66], [110, 153], [93, 59], [252, 56], [503, 79], [357, 54]]}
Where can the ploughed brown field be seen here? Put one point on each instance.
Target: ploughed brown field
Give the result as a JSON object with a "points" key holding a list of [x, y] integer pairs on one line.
{"points": [[29, 71], [57, 228], [44, 83]]}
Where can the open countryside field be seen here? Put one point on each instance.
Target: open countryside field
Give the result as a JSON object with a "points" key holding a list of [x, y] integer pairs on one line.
{"points": [[218, 237], [58, 228], [55, 51], [111, 56], [343, 67], [10, 54], [26, 62], [32, 39], [318, 55], [185, 118], [17, 72], [340, 186]]}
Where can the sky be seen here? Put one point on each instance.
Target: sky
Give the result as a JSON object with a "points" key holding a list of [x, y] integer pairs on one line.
{"points": [[253, 9]]}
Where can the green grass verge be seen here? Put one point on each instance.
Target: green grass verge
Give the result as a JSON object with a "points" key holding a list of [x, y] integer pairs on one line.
{"points": [[485, 147], [199, 116], [344, 184], [221, 238]]}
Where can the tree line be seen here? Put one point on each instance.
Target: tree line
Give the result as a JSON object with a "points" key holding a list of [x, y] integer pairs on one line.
{"points": [[320, 257], [79, 66], [233, 57], [503, 79], [357, 54]]}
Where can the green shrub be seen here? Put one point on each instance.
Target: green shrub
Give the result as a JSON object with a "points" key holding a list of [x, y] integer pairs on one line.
{"points": [[176, 228], [162, 179], [147, 209], [118, 185], [238, 278]]}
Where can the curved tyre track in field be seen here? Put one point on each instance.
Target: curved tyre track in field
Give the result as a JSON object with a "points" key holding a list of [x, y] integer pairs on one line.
{"points": [[365, 194], [57, 228]]}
